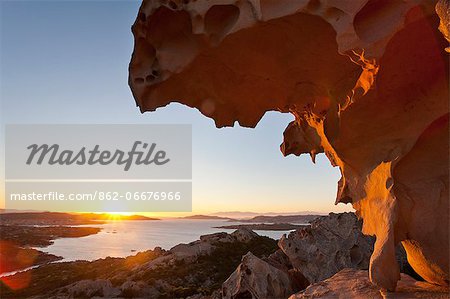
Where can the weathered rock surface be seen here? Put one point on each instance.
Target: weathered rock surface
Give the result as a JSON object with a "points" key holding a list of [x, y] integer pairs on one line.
{"points": [[331, 244], [244, 234], [367, 82], [355, 284], [191, 251], [254, 278], [309, 255], [91, 288]]}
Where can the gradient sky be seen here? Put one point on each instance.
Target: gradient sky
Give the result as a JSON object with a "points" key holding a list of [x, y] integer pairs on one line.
{"points": [[67, 62]]}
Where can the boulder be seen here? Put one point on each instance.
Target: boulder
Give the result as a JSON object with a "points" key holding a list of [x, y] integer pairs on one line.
{"points": [[243, 234], [255, 278], [191, 250], [206, 243], [216, 237], [329, 245]]}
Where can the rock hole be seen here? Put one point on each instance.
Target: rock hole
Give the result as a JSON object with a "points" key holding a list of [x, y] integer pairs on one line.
{"points": [[219, 20], [155, 66], [167, 24], [173, 5], [149, 78], [389, 183], [334, 13]]}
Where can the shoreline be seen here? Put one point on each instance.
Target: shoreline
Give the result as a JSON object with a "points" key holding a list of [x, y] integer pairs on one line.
{"points": [[265, 226], [20, 241]]}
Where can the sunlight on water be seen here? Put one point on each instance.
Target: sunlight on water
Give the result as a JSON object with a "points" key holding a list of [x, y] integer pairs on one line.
{"points": [[124, 238]]}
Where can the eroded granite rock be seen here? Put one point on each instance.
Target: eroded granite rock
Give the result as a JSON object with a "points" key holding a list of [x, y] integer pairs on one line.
{"points": [[367, 82], [355, 284], [331, 244], [255, 278]]}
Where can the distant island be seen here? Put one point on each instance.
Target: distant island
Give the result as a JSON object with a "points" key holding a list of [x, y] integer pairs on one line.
{"points": [[264, 226], [205, 217], [55, 218], [279, 219], [106, 216], [247, 214]]}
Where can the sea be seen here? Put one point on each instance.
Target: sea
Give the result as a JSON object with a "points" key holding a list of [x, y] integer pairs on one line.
{"points": [[127, 237]]}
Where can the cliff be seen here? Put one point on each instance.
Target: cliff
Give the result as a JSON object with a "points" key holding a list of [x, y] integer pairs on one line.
{"points": [[366, 80]]}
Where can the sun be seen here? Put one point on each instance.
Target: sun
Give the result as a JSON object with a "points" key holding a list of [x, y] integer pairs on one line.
{"points": [[116, 215]]}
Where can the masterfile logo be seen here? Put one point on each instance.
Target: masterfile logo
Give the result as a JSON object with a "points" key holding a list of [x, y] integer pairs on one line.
{"points": [[52, 155], [99, 152], [104, 168]]}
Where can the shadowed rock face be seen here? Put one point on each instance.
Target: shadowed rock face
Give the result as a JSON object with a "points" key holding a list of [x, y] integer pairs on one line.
{"points": [[331, 244], [367, 82], [254, 278]]}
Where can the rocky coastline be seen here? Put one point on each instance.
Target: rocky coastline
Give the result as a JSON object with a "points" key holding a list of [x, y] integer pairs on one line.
{"points": [[264, 226], [310, 262], [17, 242]]}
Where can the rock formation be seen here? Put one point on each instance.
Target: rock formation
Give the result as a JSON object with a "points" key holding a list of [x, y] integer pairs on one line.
{"points": [[191, 251], [355, 284], [254, 278], [91, 288], [367, 82], [331, 244], [308, 255]]}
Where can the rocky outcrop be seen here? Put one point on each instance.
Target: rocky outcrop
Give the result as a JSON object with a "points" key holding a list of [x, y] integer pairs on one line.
{"points": [[191, 251], [355, 284], [366, 80], [91, 288], [187, 254], [195, 270], [244, 234], [254, 278], [309, 255], [331, 244]]}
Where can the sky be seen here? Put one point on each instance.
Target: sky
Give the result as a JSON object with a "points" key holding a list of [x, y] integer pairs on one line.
{"points": [[67, 62]]}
